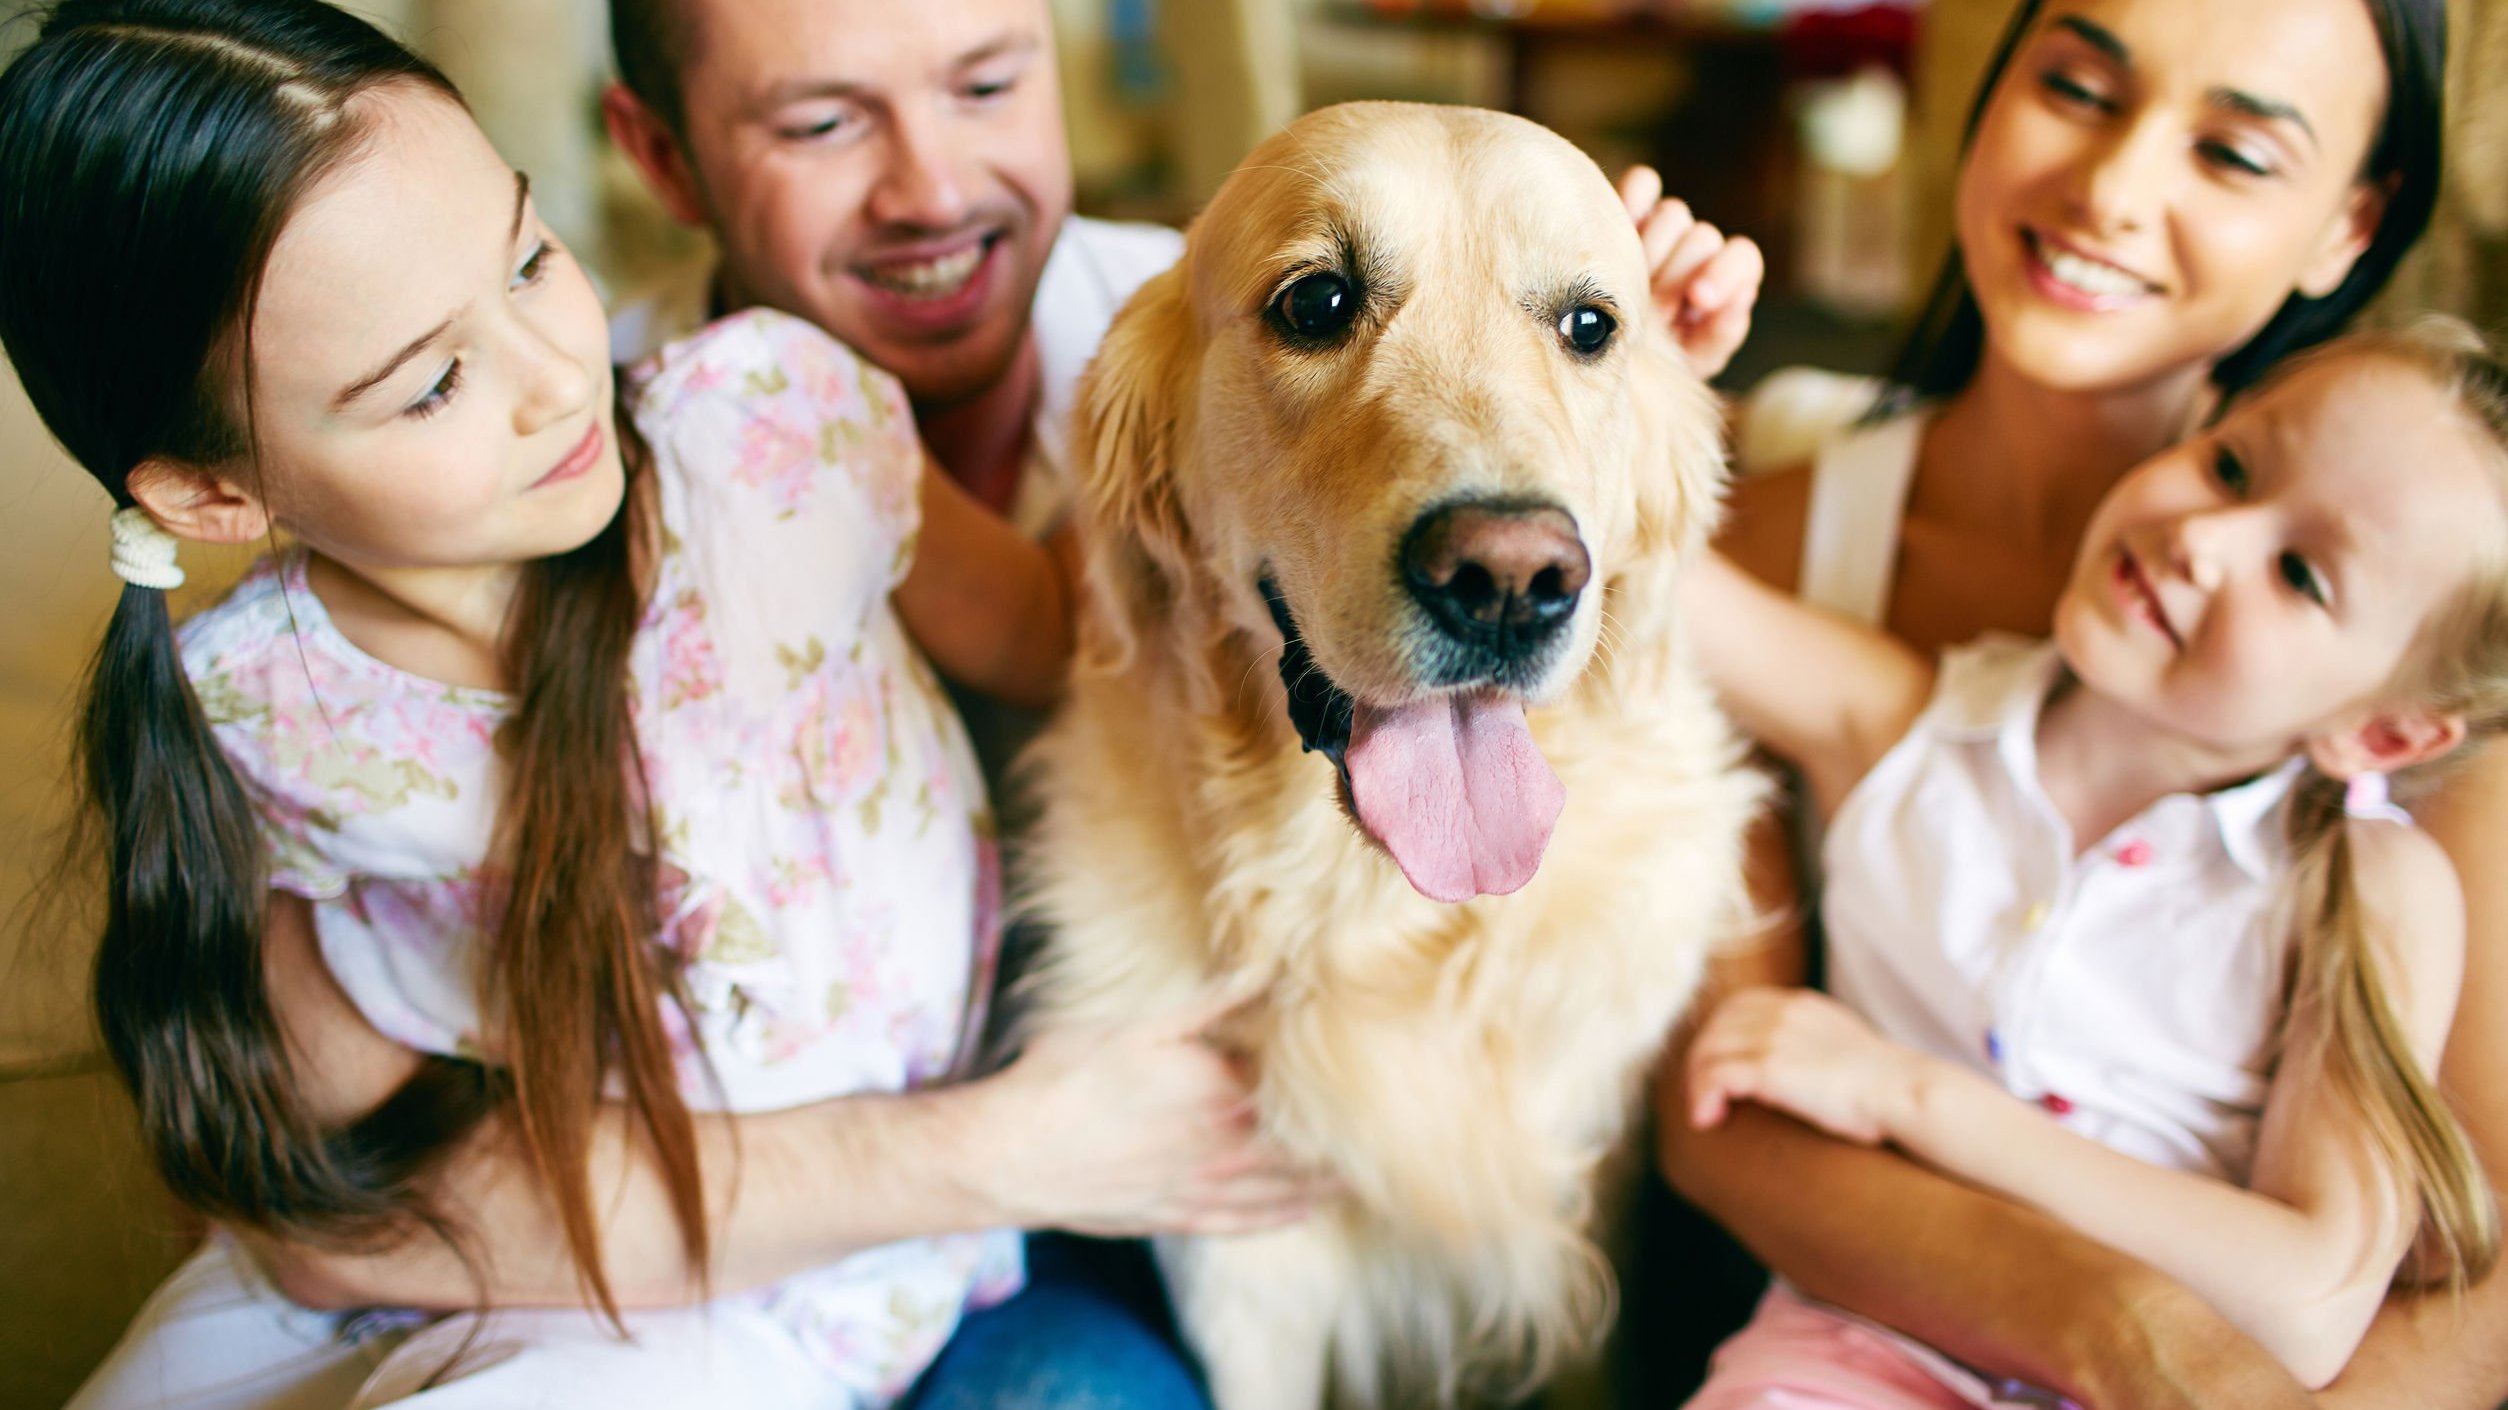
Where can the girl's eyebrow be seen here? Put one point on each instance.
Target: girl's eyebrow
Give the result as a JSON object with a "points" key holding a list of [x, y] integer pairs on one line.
{"points": [[522, 203], [392, 364], [2097, 36]]}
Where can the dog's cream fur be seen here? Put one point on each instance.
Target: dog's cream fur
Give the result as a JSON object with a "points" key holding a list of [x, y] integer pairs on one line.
{"points": [[1461, 1069]]}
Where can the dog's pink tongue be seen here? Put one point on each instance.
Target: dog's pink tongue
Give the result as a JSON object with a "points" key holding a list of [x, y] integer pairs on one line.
{"points": [[1456, 791]]}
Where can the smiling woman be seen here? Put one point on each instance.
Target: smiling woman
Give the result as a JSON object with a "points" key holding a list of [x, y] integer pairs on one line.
{"points": [[2220, 189]]}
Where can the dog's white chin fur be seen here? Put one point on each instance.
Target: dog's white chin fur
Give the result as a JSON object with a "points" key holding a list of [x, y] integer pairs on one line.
{"points": [[1461, 1069]]}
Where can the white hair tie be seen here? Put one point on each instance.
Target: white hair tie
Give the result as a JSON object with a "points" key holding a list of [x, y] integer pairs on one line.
{"points": [[2365, 796], [143, 552]]}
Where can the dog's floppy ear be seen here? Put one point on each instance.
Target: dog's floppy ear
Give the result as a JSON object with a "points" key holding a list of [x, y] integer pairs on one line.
{"points": [[1124, 438], [1680, 435], [1677, 486]]}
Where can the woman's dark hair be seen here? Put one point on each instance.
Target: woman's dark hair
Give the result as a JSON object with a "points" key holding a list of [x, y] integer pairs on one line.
{"points": [[150, 153], [1948, 339]]}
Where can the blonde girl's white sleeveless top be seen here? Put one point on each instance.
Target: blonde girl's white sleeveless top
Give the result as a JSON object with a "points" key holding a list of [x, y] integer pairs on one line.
{"points": [[2131, 986], [2132, 989]]}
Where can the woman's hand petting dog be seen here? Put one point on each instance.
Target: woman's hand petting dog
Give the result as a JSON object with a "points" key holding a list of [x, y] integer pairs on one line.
{"points": [[1807, 1055], [1705, 282], [1139, 1130]]}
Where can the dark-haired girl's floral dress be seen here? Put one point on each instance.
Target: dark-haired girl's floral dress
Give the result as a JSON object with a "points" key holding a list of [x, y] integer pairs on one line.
{"points": [[830, 886]]}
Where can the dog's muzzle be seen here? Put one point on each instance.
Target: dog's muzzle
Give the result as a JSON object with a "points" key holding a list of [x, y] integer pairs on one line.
{"points": [[1499, 581], [1451, 785]]}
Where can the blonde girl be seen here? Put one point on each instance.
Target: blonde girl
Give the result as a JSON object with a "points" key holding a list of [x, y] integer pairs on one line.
{"points": [[2123, 927]]}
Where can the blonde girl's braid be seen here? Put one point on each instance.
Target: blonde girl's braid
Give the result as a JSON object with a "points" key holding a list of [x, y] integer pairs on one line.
{"points": [[2460, 665]]}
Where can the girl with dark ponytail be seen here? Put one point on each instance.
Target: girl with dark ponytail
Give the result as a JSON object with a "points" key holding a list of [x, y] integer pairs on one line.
{"points": [[543, 793], [180, 986]]}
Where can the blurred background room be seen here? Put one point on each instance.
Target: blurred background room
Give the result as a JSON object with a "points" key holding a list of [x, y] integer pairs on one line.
{"points": [[1824, 129]]}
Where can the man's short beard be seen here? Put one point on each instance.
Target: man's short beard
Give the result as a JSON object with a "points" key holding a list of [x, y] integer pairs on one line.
{"points": [[960, 385]]}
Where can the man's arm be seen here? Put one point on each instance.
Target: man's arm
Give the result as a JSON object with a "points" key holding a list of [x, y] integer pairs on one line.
{"points": [[990, 606]]}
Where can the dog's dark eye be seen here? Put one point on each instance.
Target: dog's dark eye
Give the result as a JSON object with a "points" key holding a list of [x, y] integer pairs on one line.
{"points": [[1316, 307], [1587, 329]]}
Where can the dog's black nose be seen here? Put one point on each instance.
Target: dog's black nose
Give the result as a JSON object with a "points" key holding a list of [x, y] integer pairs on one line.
{"points": [[1499, 577]]}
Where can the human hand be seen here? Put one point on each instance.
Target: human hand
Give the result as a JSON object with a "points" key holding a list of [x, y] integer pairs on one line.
{"points": [[1144, 1129], [1805, 1054], [1704, 282]]}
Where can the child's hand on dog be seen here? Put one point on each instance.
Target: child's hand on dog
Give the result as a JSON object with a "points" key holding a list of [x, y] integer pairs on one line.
{"points": [[1705, 282]]}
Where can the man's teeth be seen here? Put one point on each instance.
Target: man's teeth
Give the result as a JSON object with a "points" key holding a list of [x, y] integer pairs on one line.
{"points": [[2101, 281], [932, 278]]}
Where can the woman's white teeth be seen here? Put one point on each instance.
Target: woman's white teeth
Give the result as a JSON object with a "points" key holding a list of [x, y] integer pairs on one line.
{"points": [[931, 278], [2103, 281]]}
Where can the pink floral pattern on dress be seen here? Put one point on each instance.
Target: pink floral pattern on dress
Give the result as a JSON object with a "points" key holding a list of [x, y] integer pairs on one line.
{"points": [[844, 747], [690, 669], [830, 881], [782, 458]]}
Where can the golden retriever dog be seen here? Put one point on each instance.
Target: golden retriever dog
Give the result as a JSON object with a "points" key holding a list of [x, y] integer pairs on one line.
{"points": [[1382, 727]]}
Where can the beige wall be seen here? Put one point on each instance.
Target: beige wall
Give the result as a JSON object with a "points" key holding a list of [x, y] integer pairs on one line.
{"points": [[2462, 266], [57, 594]]}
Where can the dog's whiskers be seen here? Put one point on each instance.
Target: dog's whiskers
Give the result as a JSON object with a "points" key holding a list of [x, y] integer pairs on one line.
{"points": [[1607, 631], [1270, 655]]}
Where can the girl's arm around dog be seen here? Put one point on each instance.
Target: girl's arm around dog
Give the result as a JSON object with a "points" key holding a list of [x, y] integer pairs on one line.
{"points": [[1137, 1130]]}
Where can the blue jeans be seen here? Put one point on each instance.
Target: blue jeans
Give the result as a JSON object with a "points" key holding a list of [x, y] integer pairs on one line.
{"points": [[1091, 1331]]}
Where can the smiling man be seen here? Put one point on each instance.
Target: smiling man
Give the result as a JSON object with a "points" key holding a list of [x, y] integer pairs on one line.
{"points": [[897, 174]]}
